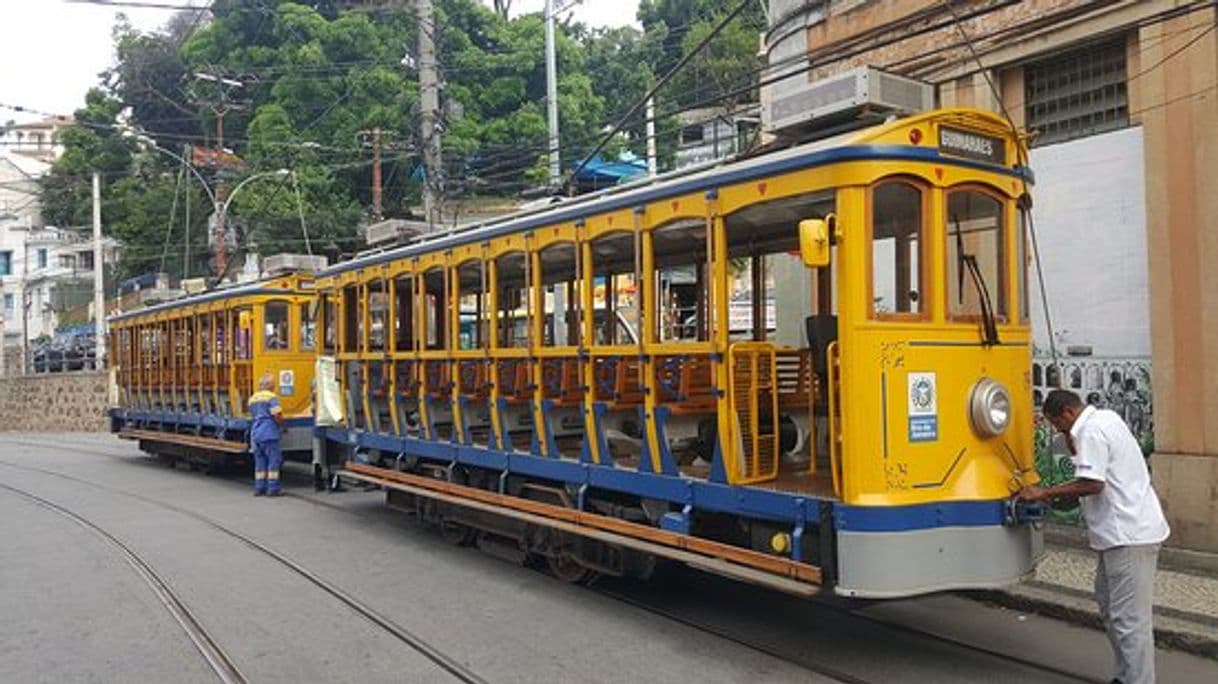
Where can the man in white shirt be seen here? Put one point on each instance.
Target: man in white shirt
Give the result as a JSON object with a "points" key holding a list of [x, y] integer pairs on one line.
{"points": [[1125, 524]]}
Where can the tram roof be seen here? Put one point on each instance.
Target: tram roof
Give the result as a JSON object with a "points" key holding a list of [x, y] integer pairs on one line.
{"points": [[851, 146], [260, 287]]}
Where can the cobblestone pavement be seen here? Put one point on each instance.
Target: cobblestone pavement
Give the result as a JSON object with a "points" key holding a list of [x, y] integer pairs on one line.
{"points": [[1183, 594], [1186, 602]]}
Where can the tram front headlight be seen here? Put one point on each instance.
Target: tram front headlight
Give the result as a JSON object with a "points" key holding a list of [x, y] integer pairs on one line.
{"points": [[990, 408]]}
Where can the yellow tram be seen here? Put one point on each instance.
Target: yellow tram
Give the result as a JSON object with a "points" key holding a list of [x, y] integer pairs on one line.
{"points": [[814, 363], [186, 368]]}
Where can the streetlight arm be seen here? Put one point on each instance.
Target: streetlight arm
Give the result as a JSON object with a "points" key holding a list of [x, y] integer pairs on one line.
{"points": [[246, 181], [202, 181]]}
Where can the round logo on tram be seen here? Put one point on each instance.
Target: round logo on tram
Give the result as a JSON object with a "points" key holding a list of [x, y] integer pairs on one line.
{"points": [[922, 394]]}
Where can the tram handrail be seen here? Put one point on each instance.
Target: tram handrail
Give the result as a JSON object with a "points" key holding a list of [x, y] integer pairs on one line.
{"points": [[831, 390]]}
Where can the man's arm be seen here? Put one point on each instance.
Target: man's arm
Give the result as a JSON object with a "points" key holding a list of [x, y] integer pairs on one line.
{"points": [[277, 412], [1062, 495]]}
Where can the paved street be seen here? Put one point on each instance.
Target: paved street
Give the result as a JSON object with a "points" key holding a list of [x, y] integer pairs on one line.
{"points": [[75, 610]]}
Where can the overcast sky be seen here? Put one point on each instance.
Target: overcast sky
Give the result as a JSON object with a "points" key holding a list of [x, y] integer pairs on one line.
{"points": [[52, 51]]}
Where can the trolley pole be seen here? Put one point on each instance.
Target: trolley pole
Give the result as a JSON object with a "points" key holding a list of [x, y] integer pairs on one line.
{"points": [[99, 283]]}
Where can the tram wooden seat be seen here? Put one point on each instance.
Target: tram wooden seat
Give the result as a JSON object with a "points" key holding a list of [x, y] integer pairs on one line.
{"points": [[515, 381], [795, 386], [474, 384], [563, 384], [695, 387], [626, 388]]}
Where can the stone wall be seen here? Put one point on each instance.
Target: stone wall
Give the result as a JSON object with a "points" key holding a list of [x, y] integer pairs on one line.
{"points": [[12, 361], [54, 402]]}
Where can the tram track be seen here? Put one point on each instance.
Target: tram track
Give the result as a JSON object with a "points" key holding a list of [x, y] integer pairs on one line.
{"points": [[441, 659], [215, 656], [718, 631], [829, 671]]}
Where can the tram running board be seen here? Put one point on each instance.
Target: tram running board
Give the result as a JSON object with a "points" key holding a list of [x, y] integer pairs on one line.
{"points": [[777, 573], [196, 441]]}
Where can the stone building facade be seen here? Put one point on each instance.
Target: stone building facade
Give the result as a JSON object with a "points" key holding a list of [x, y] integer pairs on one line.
{"points": [[1132, 86]]}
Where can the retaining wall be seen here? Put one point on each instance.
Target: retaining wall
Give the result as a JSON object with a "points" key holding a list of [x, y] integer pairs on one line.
{"points": [[54, 402]]}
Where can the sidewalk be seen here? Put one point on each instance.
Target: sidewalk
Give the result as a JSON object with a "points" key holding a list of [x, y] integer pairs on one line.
{"points": [[1186, 592]]}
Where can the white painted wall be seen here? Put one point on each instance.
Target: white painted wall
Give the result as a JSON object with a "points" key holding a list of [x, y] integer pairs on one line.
{"points": [[1090, 216]]}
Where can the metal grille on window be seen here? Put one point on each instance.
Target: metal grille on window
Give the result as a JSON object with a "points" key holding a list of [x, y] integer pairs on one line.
{"points": [[1077, 93]]}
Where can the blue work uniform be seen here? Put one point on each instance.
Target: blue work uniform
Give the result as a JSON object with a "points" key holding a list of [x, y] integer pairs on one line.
{"points": [[264, 436]]}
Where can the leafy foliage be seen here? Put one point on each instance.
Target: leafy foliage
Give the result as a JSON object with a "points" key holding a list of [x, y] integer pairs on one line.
{"points": [[301, 85]]}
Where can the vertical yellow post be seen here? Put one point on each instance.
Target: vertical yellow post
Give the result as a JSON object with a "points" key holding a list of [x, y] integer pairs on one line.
{"points": [[646, 284], [492, 311], [453, 334], [537, 319], [391, 348], [587, 339], [234, 397], [420, 343], [720, 329]]}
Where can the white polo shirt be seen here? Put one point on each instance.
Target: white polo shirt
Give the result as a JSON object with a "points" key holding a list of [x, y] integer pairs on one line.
{"points": [[1127, 511]]}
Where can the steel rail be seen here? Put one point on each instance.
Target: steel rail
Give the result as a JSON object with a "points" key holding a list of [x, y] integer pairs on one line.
{"points": [[212, 652], [642, 605], [420, 645]]}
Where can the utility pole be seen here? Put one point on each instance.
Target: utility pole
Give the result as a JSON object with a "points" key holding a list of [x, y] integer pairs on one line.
{"points": [[99, 294], [220, 107], [429, 103], [377, 213], [552, 96], [651, 137], [221, 195]]}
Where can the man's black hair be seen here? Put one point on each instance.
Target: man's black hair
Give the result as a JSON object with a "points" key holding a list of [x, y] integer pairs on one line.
{"points": [[1058, 401]]}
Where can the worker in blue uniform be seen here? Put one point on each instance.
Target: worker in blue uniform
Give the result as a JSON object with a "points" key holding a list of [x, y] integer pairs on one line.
{"points": [[264, 437]]}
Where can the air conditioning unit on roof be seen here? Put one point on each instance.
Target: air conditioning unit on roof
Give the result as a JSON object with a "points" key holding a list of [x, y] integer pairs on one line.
{"points": [[159, 296], [293, 263], [836, 100], [394, 232]]}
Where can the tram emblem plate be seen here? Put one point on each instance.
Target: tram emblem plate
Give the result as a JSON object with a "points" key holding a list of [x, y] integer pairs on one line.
{"points": [[923, 408]]}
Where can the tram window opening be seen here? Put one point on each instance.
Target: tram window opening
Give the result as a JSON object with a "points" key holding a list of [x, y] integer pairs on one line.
{"points": [[403, 314], [435, 308], [512, 319], [560, 278], [615, 293], [751, 303], [353, 319], [243, 345], [329, 323], [378, 315], [308, 327], [206, 341], [896, 249], [771, 292], [679, 254], [275, 325], [471, 306], [975, 229]]}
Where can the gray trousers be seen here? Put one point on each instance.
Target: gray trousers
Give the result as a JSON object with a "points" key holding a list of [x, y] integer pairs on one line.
{"points": [[1124, 588]]}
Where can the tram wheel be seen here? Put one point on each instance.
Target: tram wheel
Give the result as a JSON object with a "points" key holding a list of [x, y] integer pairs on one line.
{"points": [[565, 568], [457, 534]]}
